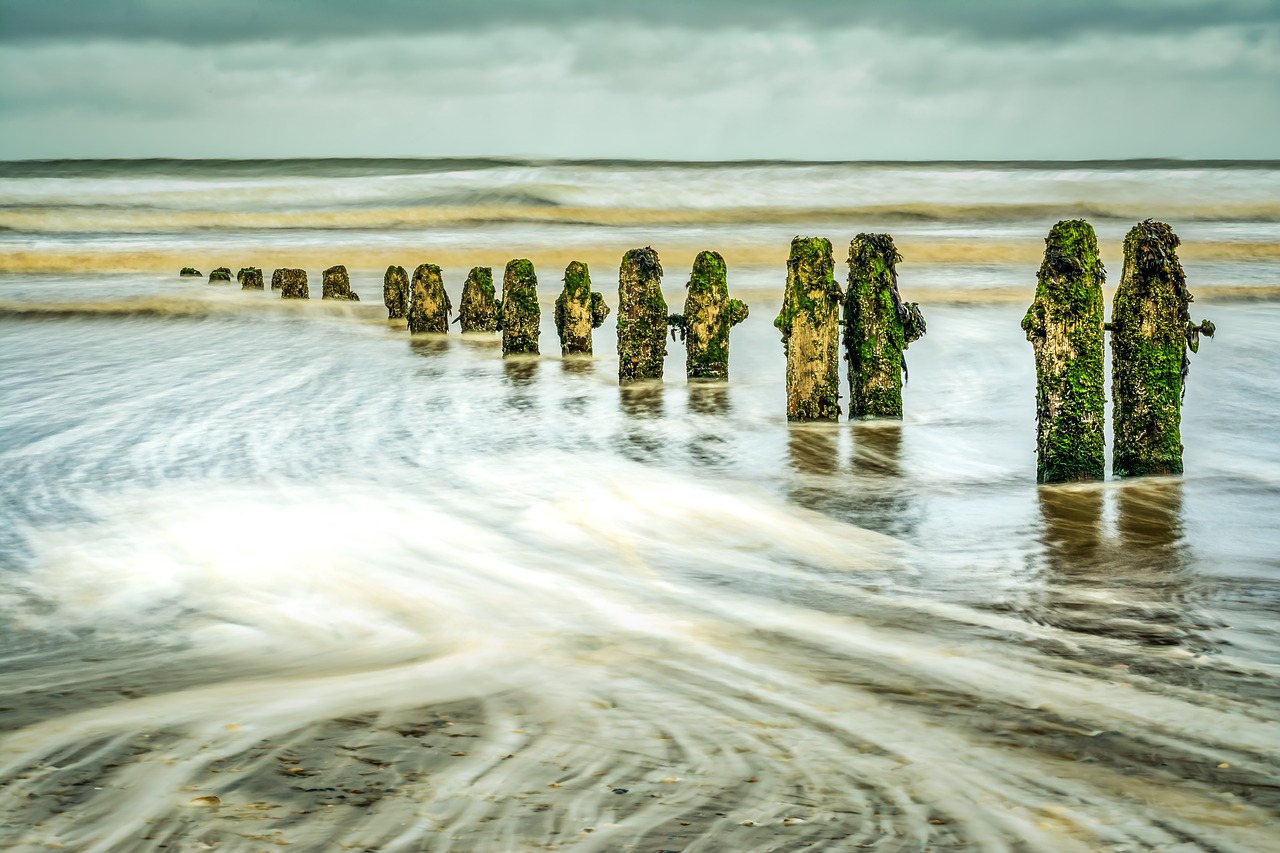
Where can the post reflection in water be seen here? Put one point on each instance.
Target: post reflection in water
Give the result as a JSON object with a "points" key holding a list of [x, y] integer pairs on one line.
{"points": [[643, 407], [578, 365], [520, 372], [430, 347], [885, 501], [710, 406]]}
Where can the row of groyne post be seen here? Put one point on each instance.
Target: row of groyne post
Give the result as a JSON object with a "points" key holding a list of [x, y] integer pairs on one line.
{"points": [[867, 324]]}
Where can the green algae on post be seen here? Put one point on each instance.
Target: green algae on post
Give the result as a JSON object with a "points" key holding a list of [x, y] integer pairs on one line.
{"points": [[521, 315], [337, 285], [395, 292], [220, 274], [1151, 331], [708, 315], [810, 329], [190, 272], [1064, 326], [878, 327], [642, 317], [478, 310], [578, 310], [250, 278], [291, 282], [429, 305]]}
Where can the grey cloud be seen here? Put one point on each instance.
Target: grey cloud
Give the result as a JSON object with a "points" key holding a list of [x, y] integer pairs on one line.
{"points": [[206, 21]]}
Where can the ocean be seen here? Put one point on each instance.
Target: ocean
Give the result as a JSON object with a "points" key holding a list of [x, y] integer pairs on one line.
{"points": [[278, 573]]}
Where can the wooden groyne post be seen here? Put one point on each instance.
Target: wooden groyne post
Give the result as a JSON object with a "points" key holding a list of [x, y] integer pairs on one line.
{"points": [[292, 283], [1151, 332], [810, 329], [1064, 326], [478, 310], [578, 310], [429, 305], [336, 284], [708, 315], [642, 317], [250, 278], [521, 316], [221, 274], [878, 328], [395, 292]]}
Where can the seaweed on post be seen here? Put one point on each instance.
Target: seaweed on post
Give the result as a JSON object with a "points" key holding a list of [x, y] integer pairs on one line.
{"points": [[478, 310], [429, 305], [221, 274], [642, 317], [1064, 326], [809, 324], [250, 278], [1151, 334], [520, 314], [708, 316], [878, 327], [578, 311]]}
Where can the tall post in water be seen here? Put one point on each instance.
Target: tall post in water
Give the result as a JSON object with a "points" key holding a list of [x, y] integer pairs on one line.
{"points": [[708, 315], [520, 312], [395, 292], [429, 305], [578, 311], [292, 283], [1064, 325], [810, 331], [336, 285], [642, 317], [250, 278], [478, 311], [1151, 331], [878, 327]]}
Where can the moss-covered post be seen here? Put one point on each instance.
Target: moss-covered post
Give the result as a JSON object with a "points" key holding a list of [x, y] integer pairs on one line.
{"points": [[429, 305], [878, 327], [395, 292], [642, 317], [337, 285], [250, 278], [478, 310], [810, 328], [1151, 331], [292, 283], [1064, 325], [708, 315], [521, 315], [221, 274], [578, 311], [190, 272]]}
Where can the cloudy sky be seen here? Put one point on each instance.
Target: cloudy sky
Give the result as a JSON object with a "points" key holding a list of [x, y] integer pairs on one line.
{"points": [[667, 79]]}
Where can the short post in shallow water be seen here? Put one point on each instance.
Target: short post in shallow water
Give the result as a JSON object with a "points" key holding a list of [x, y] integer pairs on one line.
{"points": [[250, 278], [1151, 332], [521, 315], [642, 317], [292, 283], [1064, 326], [221, 274], [478, 310], [878, 327], [578, 311], [190, 272], [708, 315], [395, 292], [809, 322], [337, 285], [429, 305]]}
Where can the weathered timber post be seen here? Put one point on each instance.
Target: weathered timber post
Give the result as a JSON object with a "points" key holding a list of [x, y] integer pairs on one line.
{"points": [[478, 310], [250, 278], [1064, 325], [708, 315], [429, 305], [642, 317], [292, 283], [220, 274], [878, 327], [810, 332], [1151, 331], [578, 310], [520, 312], [191, 272], [395, 292], [337, 285]]}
